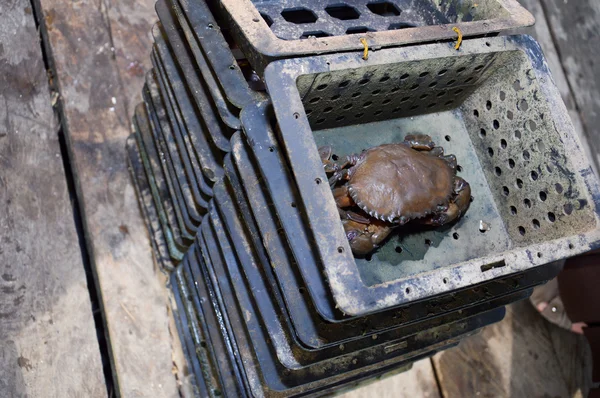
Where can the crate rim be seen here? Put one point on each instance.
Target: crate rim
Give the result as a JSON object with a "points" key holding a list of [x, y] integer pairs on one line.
{"points": [[352, 296], [260, 36]]}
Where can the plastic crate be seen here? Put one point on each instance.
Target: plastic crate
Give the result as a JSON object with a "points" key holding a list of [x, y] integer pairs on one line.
{"points": [[494, 105], [270, 30]]}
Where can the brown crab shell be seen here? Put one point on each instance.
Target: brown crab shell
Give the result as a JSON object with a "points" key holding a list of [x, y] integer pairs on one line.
{"points": [[396, 183]]}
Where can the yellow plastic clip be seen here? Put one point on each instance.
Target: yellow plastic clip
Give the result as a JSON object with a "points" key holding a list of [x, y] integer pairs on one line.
{"points": [[460, 37], [366, 51]]}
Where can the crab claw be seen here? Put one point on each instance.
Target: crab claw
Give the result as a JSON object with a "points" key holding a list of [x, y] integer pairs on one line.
{"points": [[457, 207], [364, 238]]}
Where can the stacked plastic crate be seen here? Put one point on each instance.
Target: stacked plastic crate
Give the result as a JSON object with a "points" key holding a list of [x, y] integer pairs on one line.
{"points": [[270, 299]]}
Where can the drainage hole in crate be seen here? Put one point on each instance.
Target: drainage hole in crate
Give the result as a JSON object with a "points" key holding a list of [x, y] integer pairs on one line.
{"points": [[517, 85], [318, 181], [342, 11], [513, 210], [340, 249], [475, 113], [335, 97], [536, 223], [534, 175], [367, 104], [412, 108], [478, 68], [522, 105], [407, 290], [459, 169], [395, 110], [568, 209], [441, 94], [376, 92], [299, 15], [482, 133], [457, 92], [356, 94], [490, 151], [526, 155], [321, 87], [502, 95], [384, 79], [539, 255], [404, 76], [531, 126], [571, 246], [315, 100], [522, 231], [443, 72], [503, 143], [445, 280], [271, 149], [293, 205], [362, 82], [447, 138], [379, 112], [582, 203], [347, 106], [469, 80], [432, 105], [340, 118], [498, 171], [509, 115], [428, 242], [455, 236], [496, 124], [543, 196], [327, 110], [432, 84], [343, 84], [527, 203], [404, 99], [359, 115], [386, 101], [551, 217], [488, 105], [398, 249], [393, 90], [511, 163], [451, 82], [519, 183], [505, 191], [517, 135], [414, 87], [423, 96], [449, 102]]}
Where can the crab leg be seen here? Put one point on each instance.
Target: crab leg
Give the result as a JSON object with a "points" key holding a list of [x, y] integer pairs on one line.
{"points": [[456, 208]]}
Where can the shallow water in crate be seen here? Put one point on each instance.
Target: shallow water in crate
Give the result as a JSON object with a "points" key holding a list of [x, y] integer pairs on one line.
{"points": [[410, 251]]}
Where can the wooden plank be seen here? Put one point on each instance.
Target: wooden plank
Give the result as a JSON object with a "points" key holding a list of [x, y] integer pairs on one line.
{"points": [[416, 382], [48, 342], [575, 28], [513, 358], [98, 50]]}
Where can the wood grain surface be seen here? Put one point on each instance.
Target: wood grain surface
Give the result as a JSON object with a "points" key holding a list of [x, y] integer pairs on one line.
{"points": [[48, 343], [99, 50]]}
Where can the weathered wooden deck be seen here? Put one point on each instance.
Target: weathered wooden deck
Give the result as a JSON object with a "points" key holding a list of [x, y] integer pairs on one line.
{"points": [[75, 256]]}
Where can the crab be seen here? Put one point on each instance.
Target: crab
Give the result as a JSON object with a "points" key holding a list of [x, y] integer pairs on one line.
{"points": [[389, 185]]}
